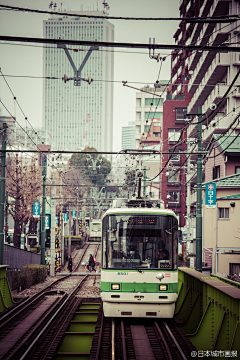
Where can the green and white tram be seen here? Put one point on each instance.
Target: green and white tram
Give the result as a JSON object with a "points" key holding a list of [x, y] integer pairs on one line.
{"points": [[95, 230], [139, 276]]}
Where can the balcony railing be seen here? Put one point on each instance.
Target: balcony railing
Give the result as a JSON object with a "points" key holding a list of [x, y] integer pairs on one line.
{"points": [[216, 70]]}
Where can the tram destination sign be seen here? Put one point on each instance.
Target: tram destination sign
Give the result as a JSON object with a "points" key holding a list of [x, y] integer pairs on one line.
{"points": [[210, 195]]}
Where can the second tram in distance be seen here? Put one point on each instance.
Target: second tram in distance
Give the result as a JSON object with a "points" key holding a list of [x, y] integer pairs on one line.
{"points": [[95, 230], [139, 276]]}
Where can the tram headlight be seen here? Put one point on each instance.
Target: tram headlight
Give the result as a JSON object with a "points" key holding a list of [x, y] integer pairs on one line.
{"points": [[115, 286], [163, 287]]}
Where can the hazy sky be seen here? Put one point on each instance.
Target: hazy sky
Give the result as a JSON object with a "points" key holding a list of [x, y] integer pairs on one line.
{"points": [[26, 60]]}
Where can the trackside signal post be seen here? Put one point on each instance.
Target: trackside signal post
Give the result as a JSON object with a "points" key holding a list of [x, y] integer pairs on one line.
{"points": [[43, 230], [53, 225], [2, 191]]}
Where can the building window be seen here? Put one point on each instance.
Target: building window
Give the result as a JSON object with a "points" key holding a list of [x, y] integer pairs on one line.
{"points": [[223, 213], [154, 102], [173, 135], [174, 157], [181, 113], [173, 176], [156, 134], [216, 172], [173, 196], [153, 115], [237, 169]]}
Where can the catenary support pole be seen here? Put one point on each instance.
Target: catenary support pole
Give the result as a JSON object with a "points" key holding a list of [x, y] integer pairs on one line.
{"points": [[199, 196], [69, 236], [53, 225], [43, 230], [144, 181], [188, 197], [2, 192]]}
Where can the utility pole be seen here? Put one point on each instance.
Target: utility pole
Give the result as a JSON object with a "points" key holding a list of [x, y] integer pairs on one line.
{"points": [[43, 230], [2, 192], [69, 236], [144, 181], [188, 196], [199, 196], [53, 224]]}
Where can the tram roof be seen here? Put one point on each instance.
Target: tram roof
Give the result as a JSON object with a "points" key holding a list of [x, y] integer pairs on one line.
{"points": [[142, 211]]}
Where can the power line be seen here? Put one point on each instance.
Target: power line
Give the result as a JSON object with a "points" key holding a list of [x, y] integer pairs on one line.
{"points": [[224, 18], [118, 44]]}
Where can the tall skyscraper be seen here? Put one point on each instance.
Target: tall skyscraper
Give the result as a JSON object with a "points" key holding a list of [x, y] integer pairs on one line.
{"points": [[75, 116]]}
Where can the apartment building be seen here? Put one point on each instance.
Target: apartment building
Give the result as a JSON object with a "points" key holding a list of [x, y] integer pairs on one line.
{"points": [[213, 72]]}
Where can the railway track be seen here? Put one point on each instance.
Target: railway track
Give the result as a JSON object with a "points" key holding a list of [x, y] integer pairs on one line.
{"points": [[83, 257], [25, 324], [139, 339], [43, 326]]}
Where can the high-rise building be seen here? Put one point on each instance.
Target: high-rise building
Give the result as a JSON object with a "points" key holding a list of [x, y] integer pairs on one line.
{"points": [[75, 116], [128, 136]]}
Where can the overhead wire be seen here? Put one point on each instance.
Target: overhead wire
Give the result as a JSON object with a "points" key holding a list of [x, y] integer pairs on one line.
{"points": [[230, 18]]}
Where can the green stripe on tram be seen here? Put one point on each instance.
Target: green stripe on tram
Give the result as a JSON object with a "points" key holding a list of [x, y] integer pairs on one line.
{"points": [[139, 287]]}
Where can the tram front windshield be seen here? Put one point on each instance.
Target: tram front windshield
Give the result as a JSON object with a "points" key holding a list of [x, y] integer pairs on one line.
{"points": [[132, 241]]}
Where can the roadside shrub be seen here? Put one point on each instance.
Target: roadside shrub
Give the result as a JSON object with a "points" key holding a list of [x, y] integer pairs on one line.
{"points": [[29, 275], [38, 247], [180, 257]]}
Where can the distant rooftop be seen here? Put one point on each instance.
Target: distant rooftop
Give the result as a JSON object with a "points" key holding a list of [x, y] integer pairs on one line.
{"points": [[227, 181], [230, 143], [230, 197]]}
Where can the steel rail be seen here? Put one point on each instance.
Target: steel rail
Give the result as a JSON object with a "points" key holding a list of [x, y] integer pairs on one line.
{"points": [[34, 330], [175, 341], [30, 299], [113, 340], [123, 341], [181, 335], [51, 319], [100, 337], [167, 350], [84, 252]]}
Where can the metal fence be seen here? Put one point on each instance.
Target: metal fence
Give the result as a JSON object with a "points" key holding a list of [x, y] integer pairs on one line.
{"points": [[15, 258]]}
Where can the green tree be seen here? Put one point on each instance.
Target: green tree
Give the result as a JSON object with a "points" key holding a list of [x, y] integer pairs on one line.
{"points": [[95, 167]]}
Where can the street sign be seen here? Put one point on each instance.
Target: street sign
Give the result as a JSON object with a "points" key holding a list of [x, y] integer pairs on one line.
{"points": [[65, 217], [74, 214], [80, 214], [210, 195], [47, 222], [36, 209]]}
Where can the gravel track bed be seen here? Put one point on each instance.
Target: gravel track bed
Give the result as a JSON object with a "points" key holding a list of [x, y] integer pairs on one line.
{"points": [[90, 288]]}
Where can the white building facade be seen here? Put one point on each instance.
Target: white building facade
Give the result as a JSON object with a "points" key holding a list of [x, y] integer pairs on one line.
{"points": [[128, 136], [149, 105], [75, 116]]}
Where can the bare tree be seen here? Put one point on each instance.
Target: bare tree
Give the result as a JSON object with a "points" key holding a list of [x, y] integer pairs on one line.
{"points": [[24, 185]]}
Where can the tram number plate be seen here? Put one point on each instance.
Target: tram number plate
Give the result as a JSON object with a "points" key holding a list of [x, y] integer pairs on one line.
{"points": [[122, 273]]}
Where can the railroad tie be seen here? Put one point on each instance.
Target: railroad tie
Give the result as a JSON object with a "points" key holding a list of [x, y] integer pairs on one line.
{"points": [[142, 347]]}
